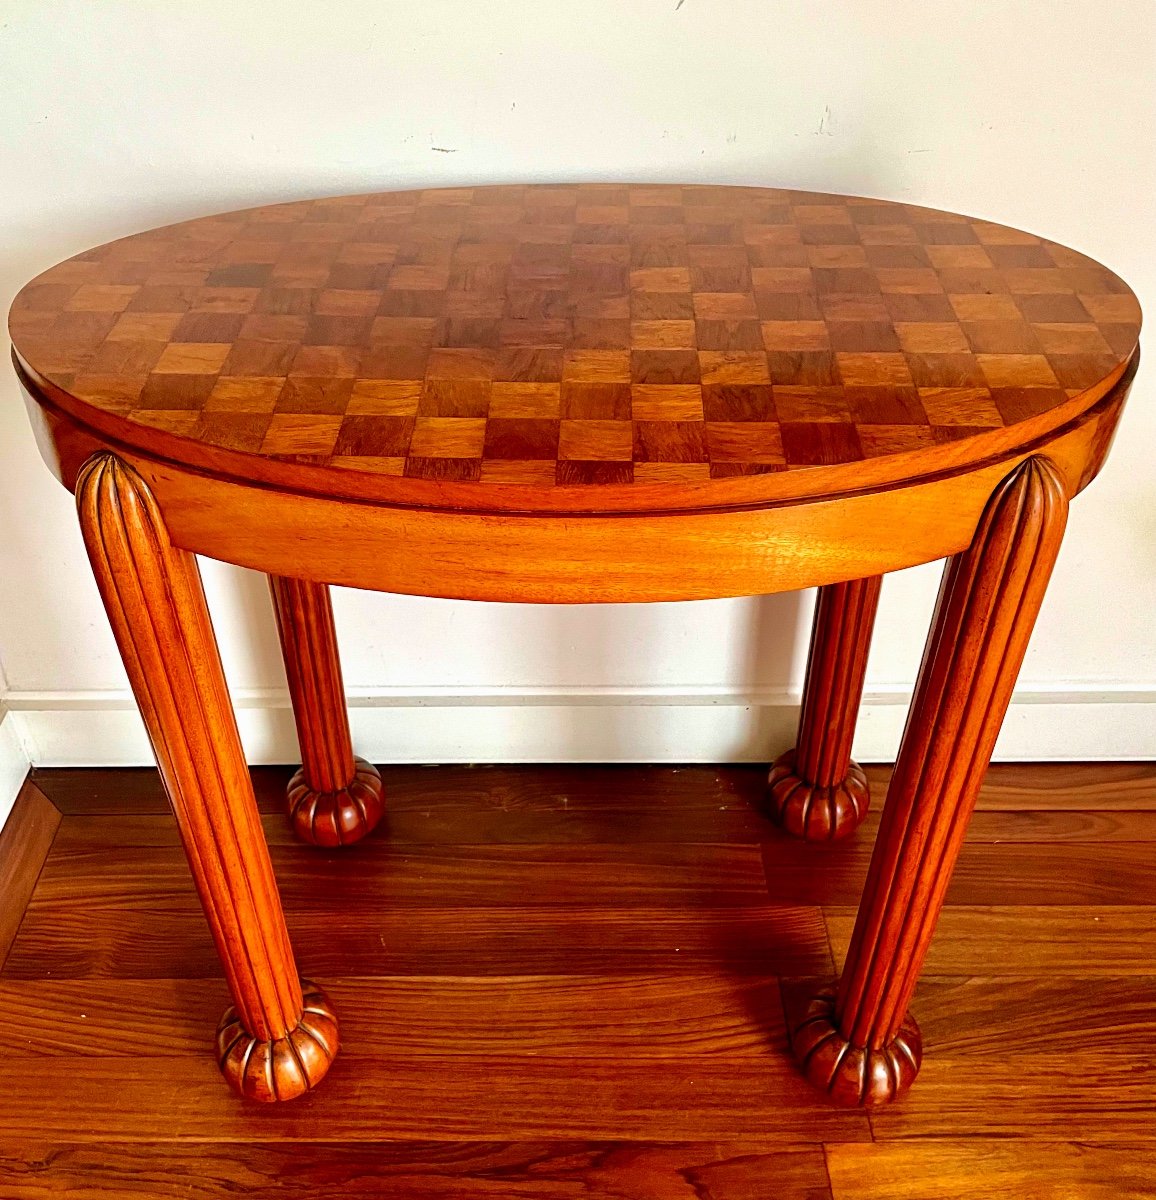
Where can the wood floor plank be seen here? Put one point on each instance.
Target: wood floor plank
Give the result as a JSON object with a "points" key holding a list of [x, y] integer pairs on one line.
{"points": [[1002, 1017], [139, 943], [457, 792], [1074, 940], [1015, 873], [25, 841], [130, 831], [1063, 825], [1007, 786], [379, 874], [737, 823], [641, 796], [1081, 786], [433, 1170], [452, 1098], [995, 1169], [1044, 786], [1073, 1095], [575, 1015], [999, 1018], [107, 791], [730, 821], [597, 804], [1045, 825], [592, 1016], [551, 804]]}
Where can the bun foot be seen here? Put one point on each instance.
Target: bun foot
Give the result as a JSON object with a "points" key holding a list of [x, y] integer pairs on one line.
{"points": [[812, 811], [853, 1076], [286, 1067], [337, 818]]}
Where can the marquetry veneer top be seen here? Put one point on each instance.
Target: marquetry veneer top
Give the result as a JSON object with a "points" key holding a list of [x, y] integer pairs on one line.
{"points": [[581, 348]]}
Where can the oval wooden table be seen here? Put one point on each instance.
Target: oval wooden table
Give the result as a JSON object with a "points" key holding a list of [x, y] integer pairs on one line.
{"points": [[593, 393]]}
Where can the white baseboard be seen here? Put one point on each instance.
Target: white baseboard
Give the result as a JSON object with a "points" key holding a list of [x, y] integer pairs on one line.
{"points": [[457, 725]]}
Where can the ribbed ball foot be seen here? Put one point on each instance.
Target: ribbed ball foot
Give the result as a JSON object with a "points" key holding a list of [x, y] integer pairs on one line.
{"points": [[810, 811], [287, 1067], [337, 818], [851, 1075]]}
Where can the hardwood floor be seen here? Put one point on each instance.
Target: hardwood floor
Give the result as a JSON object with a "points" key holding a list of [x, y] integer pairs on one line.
{"points": [[570, 982]]}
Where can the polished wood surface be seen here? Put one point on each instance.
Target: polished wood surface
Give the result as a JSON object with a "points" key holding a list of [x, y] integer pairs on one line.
{"points": [[591, 393], [630, 1059], [271, 1044], [584, 348], [335, 799], [25, 839], [815, 791]]}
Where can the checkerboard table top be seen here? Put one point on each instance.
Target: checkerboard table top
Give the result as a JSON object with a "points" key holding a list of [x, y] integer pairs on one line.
{"points": [[577, 347]]}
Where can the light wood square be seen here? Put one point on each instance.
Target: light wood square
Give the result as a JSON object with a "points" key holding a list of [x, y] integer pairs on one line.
{"points": [[193, 358], [932, 337], [1016, 370], [874, 369], [796, 335], [301, 433], [665, 402], [596, 440], [448, 437]]}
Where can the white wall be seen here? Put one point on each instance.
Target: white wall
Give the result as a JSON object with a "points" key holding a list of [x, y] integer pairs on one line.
{"points": [[121, 115]]}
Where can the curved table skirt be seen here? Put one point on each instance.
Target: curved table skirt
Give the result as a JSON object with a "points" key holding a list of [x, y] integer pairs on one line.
{"points": [[579, 558]]}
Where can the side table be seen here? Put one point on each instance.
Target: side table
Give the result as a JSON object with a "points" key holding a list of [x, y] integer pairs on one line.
{"points": [[577, 394]]}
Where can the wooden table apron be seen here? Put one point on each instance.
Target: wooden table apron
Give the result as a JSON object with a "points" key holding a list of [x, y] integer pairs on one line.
{"points": [[583, 557], [698, 512]]}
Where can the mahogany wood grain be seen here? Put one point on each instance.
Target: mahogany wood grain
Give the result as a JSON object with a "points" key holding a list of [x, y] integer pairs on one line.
{"points": [[661, 1016], [272, 1044], [1095, 827], [304, 1170], [694, 794], [815, 791], [1043, 834], [447, 826], [1048, 826], [661, 875], [1082, 786], [25, 840], [952, 1168], [1019, 1013], [860, 1043], [1066, 1094], [335, 799], [528, 1096], [1025, 872], [665, 873], [1004, 1016], [1074, 941], [463, 792], [140, 943]]}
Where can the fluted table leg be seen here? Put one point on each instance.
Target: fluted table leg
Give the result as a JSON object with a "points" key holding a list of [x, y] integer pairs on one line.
{"points": [[334, 799], [858, 1042], [816, 791], [280, 1036]]}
